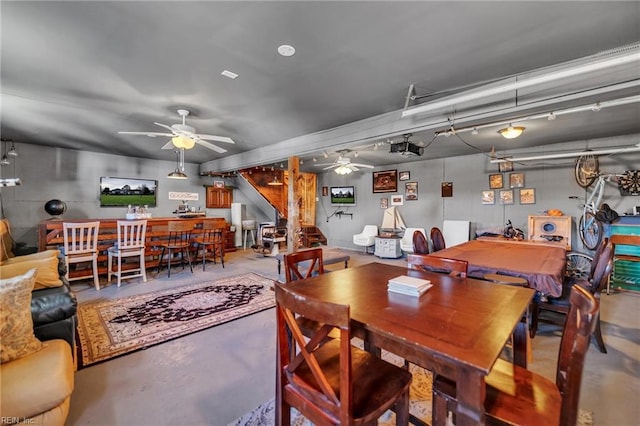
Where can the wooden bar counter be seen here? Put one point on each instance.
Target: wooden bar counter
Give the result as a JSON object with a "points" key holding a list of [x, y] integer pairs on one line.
{"points": [[50, 237]]}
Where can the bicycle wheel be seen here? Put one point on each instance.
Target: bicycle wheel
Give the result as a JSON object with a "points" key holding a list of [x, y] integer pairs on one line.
{"points": [[586, 170], [590, 230], [578, 265]]}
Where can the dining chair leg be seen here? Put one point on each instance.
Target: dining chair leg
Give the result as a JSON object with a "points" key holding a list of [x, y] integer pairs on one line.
{"points": [[204, 255], [160, 260], [96, 279], [169, 264], [597, 335], [119, 270], [109, 267], [143, 266], [402, 410]]}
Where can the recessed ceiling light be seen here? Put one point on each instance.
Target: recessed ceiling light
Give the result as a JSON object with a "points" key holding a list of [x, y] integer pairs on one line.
{"points": [[231, 75], [286, 50]]}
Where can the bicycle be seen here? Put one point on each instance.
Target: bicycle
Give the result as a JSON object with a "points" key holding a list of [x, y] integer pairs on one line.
{"points": [[587, 172]]}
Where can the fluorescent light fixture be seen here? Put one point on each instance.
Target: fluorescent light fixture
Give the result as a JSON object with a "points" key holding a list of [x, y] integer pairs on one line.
{"points": [[634, 148], [229, 74], [525, 82]]}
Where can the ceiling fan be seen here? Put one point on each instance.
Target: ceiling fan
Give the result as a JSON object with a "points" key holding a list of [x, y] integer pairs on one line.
{"points": [[343, 164], [184, 136]]}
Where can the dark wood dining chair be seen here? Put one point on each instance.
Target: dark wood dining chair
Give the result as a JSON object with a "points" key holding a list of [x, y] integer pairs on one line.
{"points": [[420, 243], [555, 309], [179, 242], [515, 395], [437, 239], [211, 242], [329, 381], [310, 260], [453, 267]]}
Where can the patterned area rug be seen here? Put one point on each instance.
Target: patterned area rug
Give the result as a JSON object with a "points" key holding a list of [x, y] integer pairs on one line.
{"points": [[419, 406], [111, 328]]}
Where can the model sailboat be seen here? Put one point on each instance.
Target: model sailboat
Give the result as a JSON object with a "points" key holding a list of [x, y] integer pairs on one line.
{"points": [[392, 221]]}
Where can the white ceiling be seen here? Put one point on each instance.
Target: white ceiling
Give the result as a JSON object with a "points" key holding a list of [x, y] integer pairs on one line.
{"points": [[73, 74]]}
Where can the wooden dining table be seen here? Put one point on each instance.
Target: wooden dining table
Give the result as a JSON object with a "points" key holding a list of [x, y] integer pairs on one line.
{"points": [[542, 265], [458, 328]]}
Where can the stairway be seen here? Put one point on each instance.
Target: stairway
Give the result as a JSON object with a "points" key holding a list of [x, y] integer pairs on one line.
{"points": [[312, 236]]}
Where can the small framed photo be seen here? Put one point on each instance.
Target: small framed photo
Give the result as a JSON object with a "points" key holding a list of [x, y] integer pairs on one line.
{"points": [[384, 203], [527, 196], [506, 196], [505, 167], [325, 191], [385, 181], [397, 200], [495, 181], [516, 180], [411, 190], [488, 197], [404, 176], [218, 184]]}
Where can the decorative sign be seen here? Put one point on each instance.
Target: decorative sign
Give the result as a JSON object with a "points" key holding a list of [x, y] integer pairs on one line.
{"points": [[183, 196]]}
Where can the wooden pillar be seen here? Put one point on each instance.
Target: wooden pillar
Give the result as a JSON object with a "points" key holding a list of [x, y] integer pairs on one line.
{"points": [[294, 199]]}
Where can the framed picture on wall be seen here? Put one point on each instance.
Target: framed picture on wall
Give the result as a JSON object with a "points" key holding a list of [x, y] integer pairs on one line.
{"points": [[218, 184], [495, 181], [516, 180], [404, 175], [397, 200], [384, 203], [325, 191], [488, 197], [506, 196], [411, 190], [385, 181], [505, 167], [527, 196]]}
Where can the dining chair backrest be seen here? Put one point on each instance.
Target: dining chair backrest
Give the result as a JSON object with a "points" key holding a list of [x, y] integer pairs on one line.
{"points": [[131, 234], [420, 243], [580, 324], [437, 239], [80, 238], [180, 232], [601, 267], [312, 259], [325, 378], [453, 267]]}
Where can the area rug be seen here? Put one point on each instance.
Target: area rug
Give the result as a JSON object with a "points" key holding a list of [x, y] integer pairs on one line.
{"points": [[110, 328], [419, 405]]}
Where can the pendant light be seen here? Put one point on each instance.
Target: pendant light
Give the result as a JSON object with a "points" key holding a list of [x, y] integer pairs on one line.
{"points": [[178, 173]]}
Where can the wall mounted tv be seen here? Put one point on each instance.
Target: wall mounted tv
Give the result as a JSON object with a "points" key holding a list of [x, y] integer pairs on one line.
{"points": [[118, 192], [343, 196]]}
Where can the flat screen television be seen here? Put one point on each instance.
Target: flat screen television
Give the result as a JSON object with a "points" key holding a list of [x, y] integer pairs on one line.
{"points": [[118, 192], [343, 195]]}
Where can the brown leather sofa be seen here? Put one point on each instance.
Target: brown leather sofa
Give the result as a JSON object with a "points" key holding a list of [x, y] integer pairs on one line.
{"points": [[36, 388]]}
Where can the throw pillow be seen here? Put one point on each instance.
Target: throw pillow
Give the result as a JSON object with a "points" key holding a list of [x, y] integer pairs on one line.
{"points": [[47, 271], [16, 325]]}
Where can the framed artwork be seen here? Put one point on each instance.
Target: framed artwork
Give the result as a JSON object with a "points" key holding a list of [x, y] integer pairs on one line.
{"points": [[505, 167], [325, 191], [506, 196], [397, 200], [446, 189], [404, 176], [411, 190], [488, 197], [218, 184], [495, 181], [384, 203], [385, 181], [516, 180], [527, 196]]}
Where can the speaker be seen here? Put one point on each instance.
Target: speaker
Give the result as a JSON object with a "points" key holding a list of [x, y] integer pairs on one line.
{"points": [[550, 229]]}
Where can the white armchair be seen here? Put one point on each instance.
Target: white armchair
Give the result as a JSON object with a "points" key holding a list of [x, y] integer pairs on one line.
{"points": [[367, 237], [406, 243]]}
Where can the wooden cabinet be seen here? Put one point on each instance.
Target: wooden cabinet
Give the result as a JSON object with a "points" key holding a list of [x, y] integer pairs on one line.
{"points": [[219, 198]]}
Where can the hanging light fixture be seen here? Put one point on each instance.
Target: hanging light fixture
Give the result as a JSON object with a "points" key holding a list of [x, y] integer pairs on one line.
{"points": [[12, 151], [178, 173], [4, 161], [275, 181], [511, 132], [343, 170]]}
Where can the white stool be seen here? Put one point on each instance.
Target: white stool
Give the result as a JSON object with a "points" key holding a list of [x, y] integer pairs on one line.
{"points": [[248, 226]]}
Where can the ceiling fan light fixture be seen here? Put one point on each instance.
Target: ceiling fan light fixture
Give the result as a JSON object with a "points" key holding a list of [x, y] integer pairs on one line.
{"points": [[343, 170], [183, 142], [511, 132]]}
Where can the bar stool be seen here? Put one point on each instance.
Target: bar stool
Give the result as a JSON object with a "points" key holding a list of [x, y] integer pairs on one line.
{"points": [[211, 242], [81, 245], [131, 243], [179, 241], [248, 228]]}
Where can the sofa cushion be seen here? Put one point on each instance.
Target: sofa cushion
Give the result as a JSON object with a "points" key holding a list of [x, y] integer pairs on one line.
{"points": [[47, 269], [52, 304], [6, 242], [16, 325], [37, 383], [33, 256]]}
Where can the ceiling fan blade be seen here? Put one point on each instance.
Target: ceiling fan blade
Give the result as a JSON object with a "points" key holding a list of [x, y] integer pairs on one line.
{"points": [[165, 126], [150, 134], [168, 145], [215, 138], [210, 146], [353, 167], [366, 166], [331, 166]]}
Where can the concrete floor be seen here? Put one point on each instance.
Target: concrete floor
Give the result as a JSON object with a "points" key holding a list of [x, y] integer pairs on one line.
{"points": [[214, 376]]}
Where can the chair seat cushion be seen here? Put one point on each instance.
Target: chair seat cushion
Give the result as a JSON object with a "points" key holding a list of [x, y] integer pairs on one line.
{"points": [[36, 383]]}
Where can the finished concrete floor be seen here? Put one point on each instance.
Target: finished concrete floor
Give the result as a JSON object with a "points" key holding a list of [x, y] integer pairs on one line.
{"points": [[214, 376]]}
